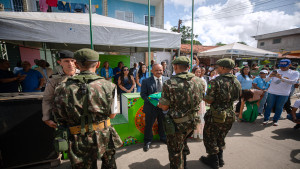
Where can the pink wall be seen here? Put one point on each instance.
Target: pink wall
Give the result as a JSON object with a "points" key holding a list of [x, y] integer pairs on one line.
{"points": [[28, 54]]}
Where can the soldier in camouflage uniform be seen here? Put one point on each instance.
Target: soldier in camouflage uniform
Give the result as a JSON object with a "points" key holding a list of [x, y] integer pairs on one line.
{"points": [[68, 69], [222, 92], [83, 103], [181, 96]]}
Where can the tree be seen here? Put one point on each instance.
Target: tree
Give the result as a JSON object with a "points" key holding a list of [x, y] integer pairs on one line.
{"points": [[220, 44], [186, 34]]}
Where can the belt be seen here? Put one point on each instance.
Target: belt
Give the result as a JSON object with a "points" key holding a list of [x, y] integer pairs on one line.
{"points": [[96, 126], [183, 119]]}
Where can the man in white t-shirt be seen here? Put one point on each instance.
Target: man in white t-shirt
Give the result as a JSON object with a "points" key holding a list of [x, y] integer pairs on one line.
{"points": [[279, 90], [295, 117]]}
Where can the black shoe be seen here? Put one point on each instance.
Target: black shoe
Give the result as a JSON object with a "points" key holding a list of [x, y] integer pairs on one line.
{"points": [[211, 160], [297, 126], [146, 146], [220, 156], [164, 141]]}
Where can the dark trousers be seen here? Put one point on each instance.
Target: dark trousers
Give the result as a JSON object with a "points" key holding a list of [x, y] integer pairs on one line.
{"points": [[238, 106], [150, 118], [287, 106]]}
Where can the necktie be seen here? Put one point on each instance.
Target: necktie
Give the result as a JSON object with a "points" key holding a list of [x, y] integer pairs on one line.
{"points": [[158, 87]]}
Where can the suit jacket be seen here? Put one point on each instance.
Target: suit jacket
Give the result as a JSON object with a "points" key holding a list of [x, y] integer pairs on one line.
{"points": [[149, 87]]}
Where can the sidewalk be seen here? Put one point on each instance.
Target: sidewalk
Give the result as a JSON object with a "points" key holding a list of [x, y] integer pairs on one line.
{"points": [[249, 146]]}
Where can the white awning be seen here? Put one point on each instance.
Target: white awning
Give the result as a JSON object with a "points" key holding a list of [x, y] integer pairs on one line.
{"points": [[74, 28], [237, 50]]}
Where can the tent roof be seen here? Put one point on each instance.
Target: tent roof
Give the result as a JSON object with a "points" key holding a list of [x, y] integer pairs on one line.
{"points": [[237, 49], [73, 28]]}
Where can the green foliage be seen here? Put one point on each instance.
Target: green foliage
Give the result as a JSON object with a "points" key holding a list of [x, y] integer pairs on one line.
{"points": [[244, 43], [186, 34], [220, 44]]}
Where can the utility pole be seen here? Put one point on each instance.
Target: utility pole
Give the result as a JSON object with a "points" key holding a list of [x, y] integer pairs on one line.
{"points": [[192, 38], [179, 23]]}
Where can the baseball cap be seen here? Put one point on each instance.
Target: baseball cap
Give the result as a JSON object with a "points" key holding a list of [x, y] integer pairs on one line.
{"points": [[264, 71], [86, 54], [181, 60], [284, 63], [226, 62]]}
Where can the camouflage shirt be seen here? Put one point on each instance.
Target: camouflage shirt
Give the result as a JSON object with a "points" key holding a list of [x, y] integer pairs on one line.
{"points": [[68, 109], [69, 104], [180, 92], [223, 91]]}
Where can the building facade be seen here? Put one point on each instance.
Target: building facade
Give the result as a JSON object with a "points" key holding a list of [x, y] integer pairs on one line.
{"points": [[284, 42], [129, 10]]}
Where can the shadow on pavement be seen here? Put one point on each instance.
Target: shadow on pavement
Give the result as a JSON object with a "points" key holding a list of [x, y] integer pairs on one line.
{"points": [[126, 150], [294, 154], [154, 163], [245, 129], [286, 133]]}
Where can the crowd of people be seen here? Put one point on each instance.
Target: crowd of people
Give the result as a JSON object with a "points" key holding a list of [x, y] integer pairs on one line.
{"points": [[218, 85], [24, 77]]}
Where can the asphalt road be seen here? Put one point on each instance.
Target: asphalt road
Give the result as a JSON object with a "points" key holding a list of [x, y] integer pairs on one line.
{"points": [[249, 146]]}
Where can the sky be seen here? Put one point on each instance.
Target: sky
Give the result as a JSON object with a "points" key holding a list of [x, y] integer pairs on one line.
{"points": [[230, 21]]}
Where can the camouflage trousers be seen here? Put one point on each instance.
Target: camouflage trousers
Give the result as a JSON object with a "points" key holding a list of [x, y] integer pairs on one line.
{"points": [[178, 148], [88, 158], [214, 133]]}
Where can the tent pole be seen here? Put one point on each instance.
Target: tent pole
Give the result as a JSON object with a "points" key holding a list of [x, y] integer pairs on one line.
{"points": [[91, 30], [149, 48], [45, 51]]}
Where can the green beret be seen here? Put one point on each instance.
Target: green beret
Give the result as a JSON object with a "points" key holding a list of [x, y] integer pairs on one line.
{"points": [[226, 62], [86, 54], [181, 60]]}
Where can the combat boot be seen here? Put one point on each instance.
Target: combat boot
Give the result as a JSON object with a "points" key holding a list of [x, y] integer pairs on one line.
{"points": [[220, 156], [211, 160]]}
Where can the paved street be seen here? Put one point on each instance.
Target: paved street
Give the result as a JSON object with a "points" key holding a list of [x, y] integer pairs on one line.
{"points": [[249, 146]]}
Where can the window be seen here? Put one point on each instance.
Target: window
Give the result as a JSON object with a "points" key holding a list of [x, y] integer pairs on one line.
{"points": [[278, 40], [151, 20], [262, 43], [18, 5], [123, 15]]}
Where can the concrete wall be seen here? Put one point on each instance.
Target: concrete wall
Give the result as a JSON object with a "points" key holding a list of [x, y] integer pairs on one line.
{"points": [[288, 43]]}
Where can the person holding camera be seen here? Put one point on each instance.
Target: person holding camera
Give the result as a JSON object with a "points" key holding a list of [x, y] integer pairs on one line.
{"points": [[279, 90]]}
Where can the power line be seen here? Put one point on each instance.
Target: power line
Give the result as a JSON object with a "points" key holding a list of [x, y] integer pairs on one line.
{"points": [[230, 8], [242, 14]]}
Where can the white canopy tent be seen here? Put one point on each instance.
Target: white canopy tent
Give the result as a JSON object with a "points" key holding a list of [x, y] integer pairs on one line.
{"points": [[237, 50], [71, 30]]}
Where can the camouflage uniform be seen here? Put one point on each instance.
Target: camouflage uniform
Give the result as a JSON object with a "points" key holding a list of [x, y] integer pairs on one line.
{"points": [[85, 149], [177, 94], [222, 92]]}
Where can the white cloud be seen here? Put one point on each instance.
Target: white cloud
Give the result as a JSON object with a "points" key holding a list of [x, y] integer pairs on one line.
{"points": [[185, 3], [215, 24], [298, 5], [168, 26]]}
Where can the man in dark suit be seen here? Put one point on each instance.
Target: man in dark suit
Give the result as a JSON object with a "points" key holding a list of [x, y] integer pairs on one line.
{"points": [[152, 85]]}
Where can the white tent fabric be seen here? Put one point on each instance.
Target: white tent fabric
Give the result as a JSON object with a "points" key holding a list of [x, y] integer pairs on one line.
{"points": [[73, 28], [237, 50]]}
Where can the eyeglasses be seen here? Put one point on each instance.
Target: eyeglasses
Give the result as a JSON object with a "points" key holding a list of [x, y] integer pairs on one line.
{"points": [[125, 69]]}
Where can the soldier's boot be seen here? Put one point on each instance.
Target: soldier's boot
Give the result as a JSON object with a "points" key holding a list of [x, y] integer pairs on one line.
{"points": [[220, 156], [211, 160], [185, 163]]}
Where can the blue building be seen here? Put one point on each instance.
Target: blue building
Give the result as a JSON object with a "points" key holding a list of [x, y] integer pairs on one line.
{"points": [[129, 10]]}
